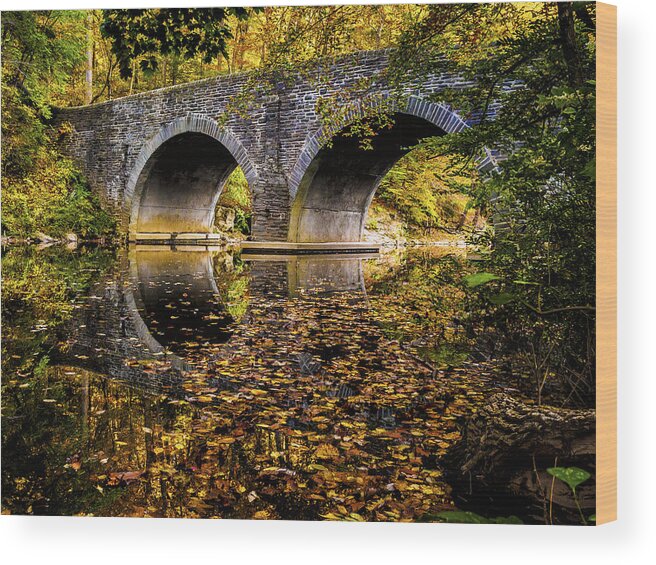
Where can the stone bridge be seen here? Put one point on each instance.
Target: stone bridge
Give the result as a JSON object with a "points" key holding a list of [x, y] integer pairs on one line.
{"points": [[159, 159]]}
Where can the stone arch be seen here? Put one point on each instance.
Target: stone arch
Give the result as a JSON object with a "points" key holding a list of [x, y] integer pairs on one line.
{"points": [[321, 217], [214, 138]]}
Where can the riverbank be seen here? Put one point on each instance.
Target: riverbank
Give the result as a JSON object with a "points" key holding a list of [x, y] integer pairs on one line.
{"points": [[385, 227]]}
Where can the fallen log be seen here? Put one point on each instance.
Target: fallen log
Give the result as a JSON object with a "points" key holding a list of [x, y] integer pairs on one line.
{"points": [[507, 447]]}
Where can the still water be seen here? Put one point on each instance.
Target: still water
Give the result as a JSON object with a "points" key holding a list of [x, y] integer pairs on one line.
{"points": [[193, 383]]}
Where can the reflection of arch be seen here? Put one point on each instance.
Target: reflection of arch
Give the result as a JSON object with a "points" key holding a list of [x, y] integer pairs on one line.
{"points": [[177, 176], [326, 273], [159, 274], [331, 187]]}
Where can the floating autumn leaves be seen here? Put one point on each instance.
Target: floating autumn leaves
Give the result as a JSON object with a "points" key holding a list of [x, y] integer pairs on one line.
{"points": [[308, 412], [303, 407]]}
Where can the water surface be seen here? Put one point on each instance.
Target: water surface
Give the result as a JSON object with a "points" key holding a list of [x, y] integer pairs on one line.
{"points": [[192, 383]]}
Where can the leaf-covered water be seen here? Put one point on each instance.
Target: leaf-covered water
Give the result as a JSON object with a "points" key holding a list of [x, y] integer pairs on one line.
{"points": [[191, 383]]}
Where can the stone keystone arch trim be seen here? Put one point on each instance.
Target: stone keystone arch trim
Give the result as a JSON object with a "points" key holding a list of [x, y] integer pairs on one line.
{"points": [[436, 113], [192, 123]]}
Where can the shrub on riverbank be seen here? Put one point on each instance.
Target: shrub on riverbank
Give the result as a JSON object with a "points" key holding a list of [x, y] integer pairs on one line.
{"points": [[236, 195], [41, 189], [52, 198]]}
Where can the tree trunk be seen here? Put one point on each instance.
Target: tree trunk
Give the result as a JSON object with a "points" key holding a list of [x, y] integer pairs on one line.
{"points": [[175, 65], [134, 71], [568, 43], [477, 218], [89, 70], [462, 220]]}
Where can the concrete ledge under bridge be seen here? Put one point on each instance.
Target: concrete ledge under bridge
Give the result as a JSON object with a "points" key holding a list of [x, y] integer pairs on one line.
{"points": [[288, 248], [257, 247]]}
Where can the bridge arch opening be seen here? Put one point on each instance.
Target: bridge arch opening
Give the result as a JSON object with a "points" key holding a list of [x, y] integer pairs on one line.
{"points": [[179, 176], [333, 184]]}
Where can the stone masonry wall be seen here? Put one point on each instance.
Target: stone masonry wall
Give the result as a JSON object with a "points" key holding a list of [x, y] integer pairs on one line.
{"points": [[279, 125]]}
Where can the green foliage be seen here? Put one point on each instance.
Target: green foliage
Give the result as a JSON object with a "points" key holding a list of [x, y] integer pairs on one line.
{"points": [[545, 187], [41, 190], [81, 213], [40, 51], [294, 36], [572, 476], [236, 194], [22, 132], [477, 279], [424, 190], [51, 197], [502, 298], [41, 366], [180, 32]]}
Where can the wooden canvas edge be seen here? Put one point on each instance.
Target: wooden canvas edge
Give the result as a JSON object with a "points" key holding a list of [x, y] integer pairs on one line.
{"points": [[606, 262]]}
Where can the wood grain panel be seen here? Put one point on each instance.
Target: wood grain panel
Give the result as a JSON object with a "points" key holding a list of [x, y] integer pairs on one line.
{"points": [[606, 263]]}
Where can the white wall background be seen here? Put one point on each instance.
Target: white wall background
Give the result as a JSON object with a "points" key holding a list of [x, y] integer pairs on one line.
{"points": [[96, 541]]}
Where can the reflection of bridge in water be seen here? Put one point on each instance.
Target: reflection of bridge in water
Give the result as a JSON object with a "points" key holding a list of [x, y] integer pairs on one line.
{"points": [[164, 305]]}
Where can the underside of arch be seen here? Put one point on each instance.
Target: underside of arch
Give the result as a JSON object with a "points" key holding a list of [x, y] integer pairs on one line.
{"points": [[332, 185], [179, 175], [334, 195], [183, 182]]}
